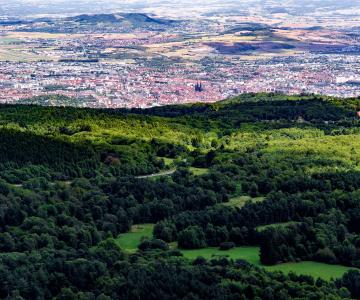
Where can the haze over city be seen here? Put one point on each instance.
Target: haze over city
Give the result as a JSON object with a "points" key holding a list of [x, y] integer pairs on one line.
{"points": [[28, 7]]}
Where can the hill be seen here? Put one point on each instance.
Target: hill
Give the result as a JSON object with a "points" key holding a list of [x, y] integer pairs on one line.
{"points": [[78, 185], [135, 19], [94, 19]]}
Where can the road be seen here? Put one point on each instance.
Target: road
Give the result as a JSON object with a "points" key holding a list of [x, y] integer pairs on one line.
{"points": [[163, 173]]}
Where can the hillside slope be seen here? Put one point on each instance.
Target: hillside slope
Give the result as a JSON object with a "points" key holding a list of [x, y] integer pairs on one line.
{"points": [[274, 174]]}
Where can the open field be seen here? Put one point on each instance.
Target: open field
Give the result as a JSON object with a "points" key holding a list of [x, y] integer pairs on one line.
{"points": [[131, 240], [9, 54], [40, 35], [168, 161], [199, 171], [240, 201], [312, 268], [251, 255]]}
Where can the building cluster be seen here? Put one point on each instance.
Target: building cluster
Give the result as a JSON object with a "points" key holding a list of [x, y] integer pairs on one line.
{"points": [[125, 71], [132, 84]]}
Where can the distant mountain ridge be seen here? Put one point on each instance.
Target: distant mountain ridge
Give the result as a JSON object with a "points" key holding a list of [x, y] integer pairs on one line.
{"points": [[111, 22], [135, 19]]}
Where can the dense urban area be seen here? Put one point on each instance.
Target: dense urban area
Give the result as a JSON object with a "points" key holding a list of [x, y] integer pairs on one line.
{"points": [[137, 60]]}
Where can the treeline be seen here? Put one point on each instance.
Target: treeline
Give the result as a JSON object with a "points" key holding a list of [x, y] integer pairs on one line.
{"points": [[260, 107], [68, 158], [23, 152]]}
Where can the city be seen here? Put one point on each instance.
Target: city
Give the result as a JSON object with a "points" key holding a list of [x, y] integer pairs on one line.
{"points": [[134, 60]]}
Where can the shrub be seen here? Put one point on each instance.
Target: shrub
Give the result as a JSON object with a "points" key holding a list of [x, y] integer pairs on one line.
{"points": [[227, 245]]}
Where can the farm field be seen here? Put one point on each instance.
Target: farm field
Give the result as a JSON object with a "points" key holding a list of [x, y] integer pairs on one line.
{"points": [[10, 54]]}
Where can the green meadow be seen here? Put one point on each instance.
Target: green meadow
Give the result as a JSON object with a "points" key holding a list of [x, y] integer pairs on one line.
{"points": [[168, 161], [240, 201], [251, 255], [130, 241], [312, 268], [199, 171]]}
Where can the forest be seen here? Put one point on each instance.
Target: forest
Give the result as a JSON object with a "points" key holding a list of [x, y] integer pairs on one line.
{"points": [[276, 175]]}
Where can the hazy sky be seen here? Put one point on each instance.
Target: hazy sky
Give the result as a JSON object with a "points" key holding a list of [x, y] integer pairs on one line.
{"points": [[39, 7]]}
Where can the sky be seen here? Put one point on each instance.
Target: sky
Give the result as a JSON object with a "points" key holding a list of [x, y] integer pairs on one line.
{"points": [[181, 7]]}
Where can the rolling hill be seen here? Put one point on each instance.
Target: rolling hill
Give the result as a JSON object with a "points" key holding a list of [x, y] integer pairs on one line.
{"points": [[255, 197]]}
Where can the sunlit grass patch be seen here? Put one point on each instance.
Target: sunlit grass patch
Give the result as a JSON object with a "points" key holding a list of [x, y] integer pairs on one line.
{"points": [[240, 201], [199, 171], [131, 240]]}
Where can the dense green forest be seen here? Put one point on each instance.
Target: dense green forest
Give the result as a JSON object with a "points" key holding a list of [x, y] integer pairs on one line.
{"points": [[264, 171]]}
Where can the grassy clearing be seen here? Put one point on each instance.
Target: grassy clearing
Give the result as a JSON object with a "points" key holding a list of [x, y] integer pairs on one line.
{"points": [[276, 225], [199, 171], [240, 201], [168, 161], [251, 255], [312, 268], [130, 241]]}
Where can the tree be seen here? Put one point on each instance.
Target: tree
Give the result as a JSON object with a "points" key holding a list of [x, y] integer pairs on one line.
{"points": [[7, 243], [351, 280], [4, 188], [165, 230], [153, 244], [192, 237], [269, 253]]}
